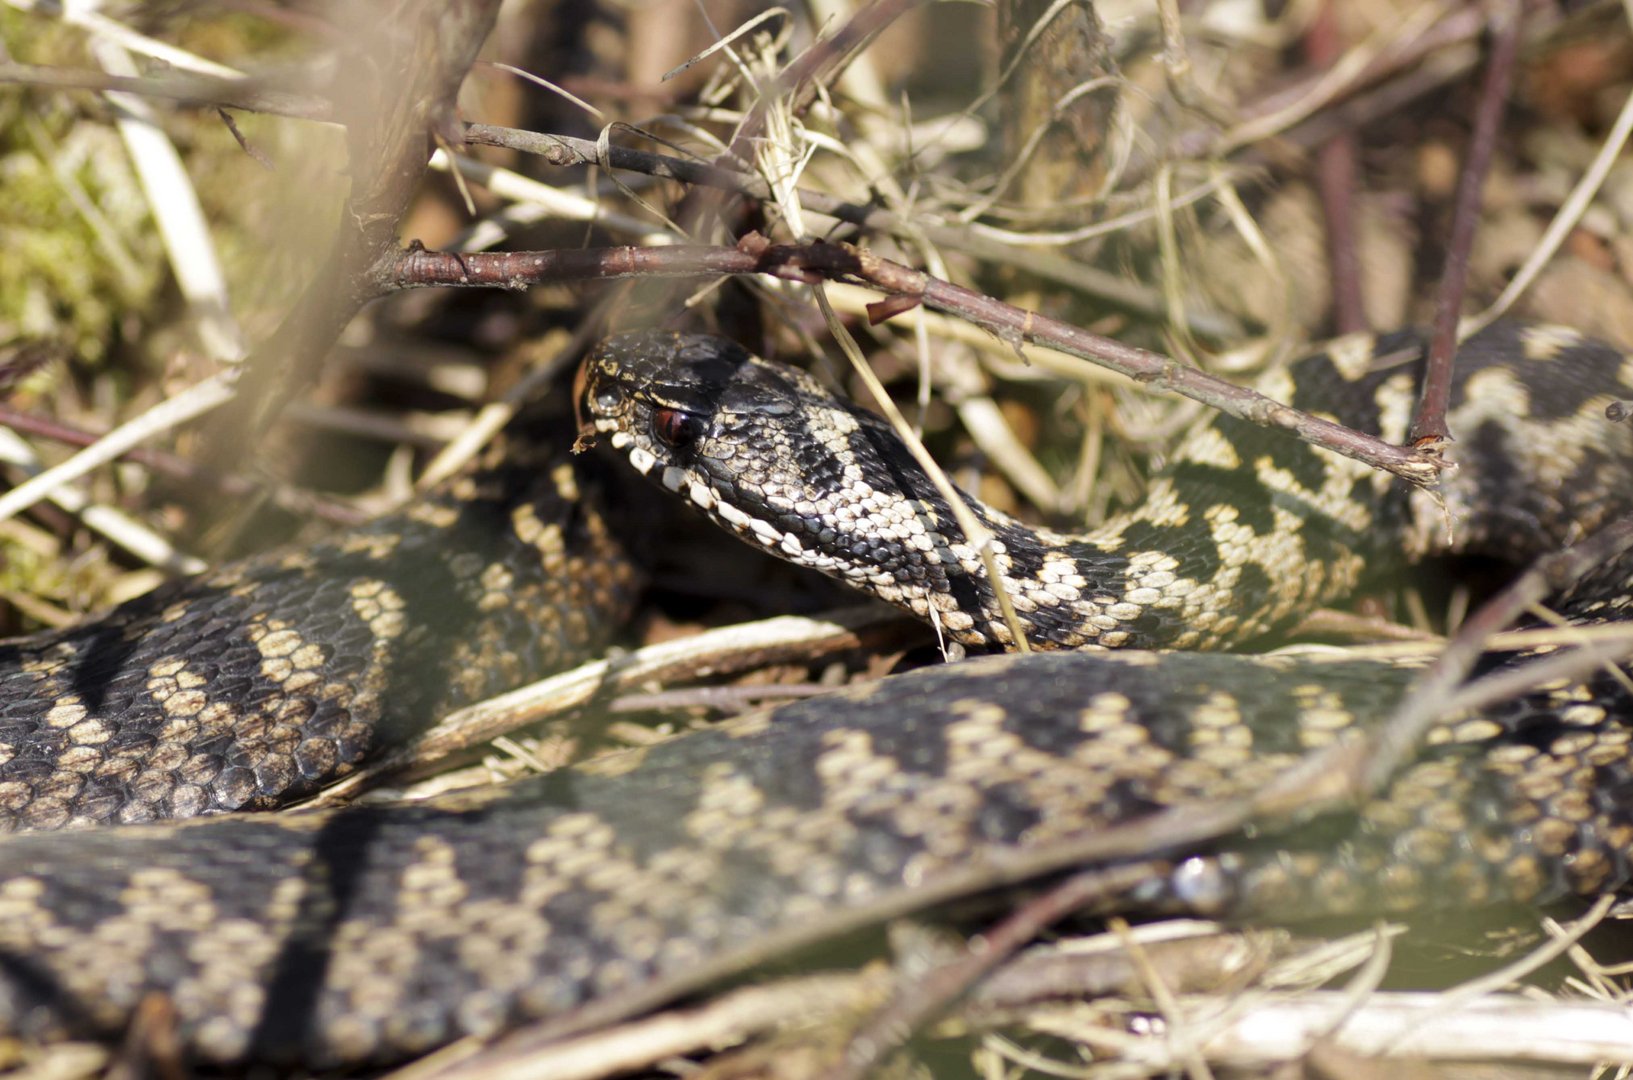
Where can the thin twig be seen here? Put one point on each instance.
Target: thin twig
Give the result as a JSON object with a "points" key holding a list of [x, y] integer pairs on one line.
{"points": [[1335, 172], [721, 651], [197, 91], [919, 1003], [118, 527], [567, 151], [188, 472], [1429, 425], [1383, 753], [559, 203], [1570, 665], [196, 400], [818, 261]]}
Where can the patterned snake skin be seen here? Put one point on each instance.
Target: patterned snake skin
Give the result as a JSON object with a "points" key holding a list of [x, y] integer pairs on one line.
{"points": [[252, 686], [372, 934]]}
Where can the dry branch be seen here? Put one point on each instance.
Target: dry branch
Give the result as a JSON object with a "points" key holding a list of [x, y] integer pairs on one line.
{"points": [[398, 90], [417, 268]]}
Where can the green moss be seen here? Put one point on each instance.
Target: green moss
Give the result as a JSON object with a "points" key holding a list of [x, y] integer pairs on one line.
{"points": [[77, 249]]}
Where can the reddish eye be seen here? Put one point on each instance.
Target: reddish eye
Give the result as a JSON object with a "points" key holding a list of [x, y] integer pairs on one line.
{"points": [[677, 428]]}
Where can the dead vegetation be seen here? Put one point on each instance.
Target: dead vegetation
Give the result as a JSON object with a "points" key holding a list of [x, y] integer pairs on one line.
{"points": [[201, 206]]}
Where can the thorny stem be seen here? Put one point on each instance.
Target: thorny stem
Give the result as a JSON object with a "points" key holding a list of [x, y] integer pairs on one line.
{"points": [[567, 151], [1429, 426], [418, 268]]}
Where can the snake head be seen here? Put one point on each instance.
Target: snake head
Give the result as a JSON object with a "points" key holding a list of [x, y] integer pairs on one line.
{"points": [[698, 414], [762, 449], [654, 395]]}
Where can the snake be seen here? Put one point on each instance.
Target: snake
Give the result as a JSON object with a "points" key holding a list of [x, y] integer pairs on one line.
{"points": [[370, 934], [251, 686]]}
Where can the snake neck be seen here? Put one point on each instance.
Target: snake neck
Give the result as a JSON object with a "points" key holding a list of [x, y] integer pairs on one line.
{"points": [[1243, 532], [1221, 550], [1194, 567]]}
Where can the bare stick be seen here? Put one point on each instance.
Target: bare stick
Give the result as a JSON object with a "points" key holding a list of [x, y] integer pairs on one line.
{"points": [[1335, 171], [418, 268], [924, 1000], [567, 151], [193, 90], [1429, 426]]}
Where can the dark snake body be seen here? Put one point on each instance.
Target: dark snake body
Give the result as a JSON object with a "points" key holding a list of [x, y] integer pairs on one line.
{"points": [[255, 684], [371, 934]]}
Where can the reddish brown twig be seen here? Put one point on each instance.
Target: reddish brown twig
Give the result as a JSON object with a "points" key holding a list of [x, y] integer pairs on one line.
{"points": [[417, 268], [1429, 425], [567, 151], [1335, 173], [256, 154]]}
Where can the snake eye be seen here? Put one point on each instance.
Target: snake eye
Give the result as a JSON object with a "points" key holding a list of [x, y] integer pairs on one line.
{"points": [[607, 399], [677, 428]]}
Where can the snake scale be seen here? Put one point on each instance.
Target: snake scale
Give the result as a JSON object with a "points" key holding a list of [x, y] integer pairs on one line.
{"points": [[373, 933]]}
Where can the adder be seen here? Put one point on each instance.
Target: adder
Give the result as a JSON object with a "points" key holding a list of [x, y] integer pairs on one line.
{"points": [[373, 933]]}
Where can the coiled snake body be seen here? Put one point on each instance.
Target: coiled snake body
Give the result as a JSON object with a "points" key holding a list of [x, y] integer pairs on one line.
{"points": [[373, 933]]}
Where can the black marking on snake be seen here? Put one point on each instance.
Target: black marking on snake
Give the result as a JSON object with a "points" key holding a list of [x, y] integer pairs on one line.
{"points": [[640, 878], [252, 685]]}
